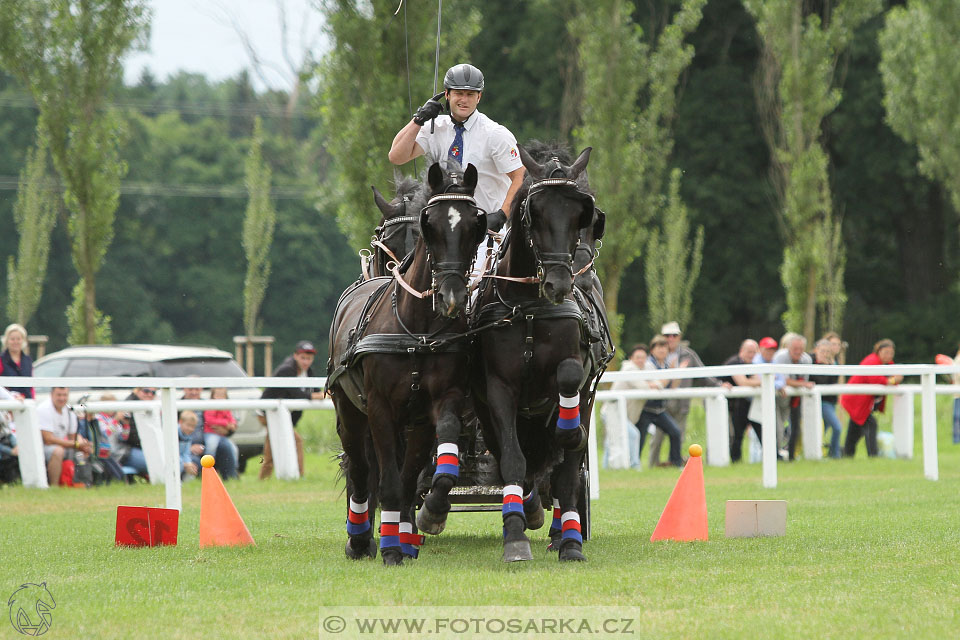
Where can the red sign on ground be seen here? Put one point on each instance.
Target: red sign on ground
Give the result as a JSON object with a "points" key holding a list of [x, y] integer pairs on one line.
{"points": [[146, 526]]}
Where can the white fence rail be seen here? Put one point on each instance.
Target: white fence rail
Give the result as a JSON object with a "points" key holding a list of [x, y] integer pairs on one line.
{"points": [[157, 423]]}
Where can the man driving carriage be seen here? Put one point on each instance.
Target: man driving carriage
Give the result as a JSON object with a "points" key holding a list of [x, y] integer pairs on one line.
{"points": [[466, 136]]}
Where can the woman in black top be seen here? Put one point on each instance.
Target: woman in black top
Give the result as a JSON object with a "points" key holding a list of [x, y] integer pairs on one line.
{"points": [[823, 354]]}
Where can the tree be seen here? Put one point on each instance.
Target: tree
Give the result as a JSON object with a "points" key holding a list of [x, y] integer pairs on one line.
{"points": [[365, 96], [257, 230], [67, 54], [921, 80], [795, 93], [629, 103], [34, 214], [672, 264]]}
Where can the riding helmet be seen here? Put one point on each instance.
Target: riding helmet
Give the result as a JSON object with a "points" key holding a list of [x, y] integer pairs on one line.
{"points": [[463, 76]]}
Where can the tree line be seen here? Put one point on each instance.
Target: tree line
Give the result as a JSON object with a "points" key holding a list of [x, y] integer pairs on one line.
{"points": [[764, 164]]}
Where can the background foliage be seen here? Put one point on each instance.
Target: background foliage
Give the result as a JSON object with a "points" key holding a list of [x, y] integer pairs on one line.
{"points": [[174, 270]]}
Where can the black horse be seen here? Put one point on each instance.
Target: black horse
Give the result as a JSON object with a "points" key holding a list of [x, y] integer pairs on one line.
{"points": [[398, 365], [396, 236]]}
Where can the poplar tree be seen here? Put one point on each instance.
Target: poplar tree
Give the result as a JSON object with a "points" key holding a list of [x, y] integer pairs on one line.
{"points": [[67, 54], [258, 228], [629, 105], [795, 92], [34, 215]]}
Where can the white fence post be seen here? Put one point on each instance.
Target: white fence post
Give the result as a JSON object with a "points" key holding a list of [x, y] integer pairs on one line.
{"points": [[171, 447], [811, 409], [593, 462], [928, 402], [282, 445], [151, 441], [903, 425], [769, 430], [33, 464], [718, 430]]}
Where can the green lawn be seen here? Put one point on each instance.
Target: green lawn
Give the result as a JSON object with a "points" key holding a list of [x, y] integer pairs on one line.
{"points": [[870, 552]]}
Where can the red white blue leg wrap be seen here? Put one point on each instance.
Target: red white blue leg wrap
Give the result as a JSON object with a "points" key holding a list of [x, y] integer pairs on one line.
{"points": [[448, 460], [389, 529], [358, 520], [409, 541], [556, 524], [513, 500], [571, 526], [569, 413]]}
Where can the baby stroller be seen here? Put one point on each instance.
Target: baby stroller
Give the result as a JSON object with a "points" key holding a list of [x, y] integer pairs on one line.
{"points": [[102, 468]]}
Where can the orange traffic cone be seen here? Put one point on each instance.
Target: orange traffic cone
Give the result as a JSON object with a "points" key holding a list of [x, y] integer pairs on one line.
{"points": [[685, 516], [220, 523]]}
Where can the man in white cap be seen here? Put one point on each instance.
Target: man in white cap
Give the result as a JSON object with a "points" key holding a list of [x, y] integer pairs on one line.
{"points": [[680, 356]]}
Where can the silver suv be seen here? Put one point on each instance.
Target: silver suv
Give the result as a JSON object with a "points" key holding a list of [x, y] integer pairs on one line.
{"points": [[162, 361]]}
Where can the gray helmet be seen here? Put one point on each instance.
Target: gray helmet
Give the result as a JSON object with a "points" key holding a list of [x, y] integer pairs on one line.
{"points": [[463, 76]]}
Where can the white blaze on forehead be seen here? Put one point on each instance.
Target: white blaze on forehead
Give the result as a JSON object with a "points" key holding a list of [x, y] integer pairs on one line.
{"points": [[454, 217]]}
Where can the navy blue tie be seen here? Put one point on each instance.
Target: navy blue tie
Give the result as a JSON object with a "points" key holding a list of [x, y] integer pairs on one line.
{"points": [[456, 149]]}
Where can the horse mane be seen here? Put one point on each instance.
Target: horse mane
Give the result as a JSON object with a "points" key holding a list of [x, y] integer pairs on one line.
{"points": [[542, 152], [412, 187]]}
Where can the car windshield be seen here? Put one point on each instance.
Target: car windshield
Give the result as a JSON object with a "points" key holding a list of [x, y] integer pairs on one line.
{"points": [[203, 367]]}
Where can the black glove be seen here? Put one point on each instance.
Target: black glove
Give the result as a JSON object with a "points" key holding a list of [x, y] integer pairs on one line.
{"points": [[430, 110], [496, 220]]}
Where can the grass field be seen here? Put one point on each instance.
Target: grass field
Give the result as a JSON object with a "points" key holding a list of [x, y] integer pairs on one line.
{"points": [[871, 551]]}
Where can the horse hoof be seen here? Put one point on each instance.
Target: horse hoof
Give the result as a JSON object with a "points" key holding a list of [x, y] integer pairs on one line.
{"points": [[572, 553], [573, 440], [534, 517], [391, 558], [517, 550], [360, 554], [429, 522]]}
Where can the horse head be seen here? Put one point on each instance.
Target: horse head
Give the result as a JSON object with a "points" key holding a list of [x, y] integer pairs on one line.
{"points": [[398, 230], [556, 208], [452, 227]]}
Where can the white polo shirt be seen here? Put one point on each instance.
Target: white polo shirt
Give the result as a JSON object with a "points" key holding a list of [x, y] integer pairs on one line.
{"points": [[61, 424], [488, 146]]}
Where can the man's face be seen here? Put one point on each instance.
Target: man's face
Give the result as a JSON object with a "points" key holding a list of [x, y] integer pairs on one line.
{"points": [[768, 353], [796, 350], [673, 341], [462, 102], [59, 397], [192, 393], [747, 351], [304, 359]]}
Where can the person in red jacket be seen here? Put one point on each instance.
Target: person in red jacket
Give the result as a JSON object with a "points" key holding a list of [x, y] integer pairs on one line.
{"points": [[862, 421]]}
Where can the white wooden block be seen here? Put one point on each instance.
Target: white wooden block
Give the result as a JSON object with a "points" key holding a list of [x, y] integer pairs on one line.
{"points": [[752, 518]]}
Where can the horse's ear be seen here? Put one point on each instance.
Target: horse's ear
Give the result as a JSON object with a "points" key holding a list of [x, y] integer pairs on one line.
{"points": [[470, 178], [385, 207], [580, 163], [481, 227], [599, 224], [534, 169], [435, 177]]}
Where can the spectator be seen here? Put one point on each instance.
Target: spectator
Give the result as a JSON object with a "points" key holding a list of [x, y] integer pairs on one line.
{"points": [[956, 403], [791, 352], [824, 354], [218, 426], [58, 428], [636, 361], [14, 361], [740, 407], [189, 462], [9, 452], [680, 353], [295, 365], [131, 450], [861, 408], [112, 428], [655, 411], [768, 349]]}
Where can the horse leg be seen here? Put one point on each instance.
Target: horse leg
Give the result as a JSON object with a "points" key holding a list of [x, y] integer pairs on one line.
{"points": [[384, 431], [533, 509], [513, 466], [432, 517], [419, 439], [566, 483], [569, 434], [352, 428]]}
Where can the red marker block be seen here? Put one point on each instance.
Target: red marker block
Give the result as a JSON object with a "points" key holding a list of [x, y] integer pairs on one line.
{"points": [[146, 527]]}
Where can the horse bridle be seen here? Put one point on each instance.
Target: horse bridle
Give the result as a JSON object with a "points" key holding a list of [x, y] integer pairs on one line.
{"points": [[440, 271], [380, 232]]}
